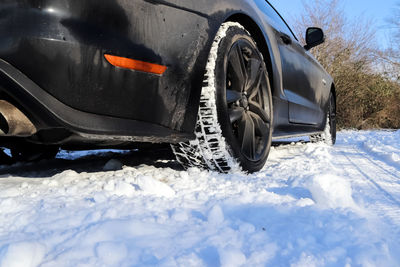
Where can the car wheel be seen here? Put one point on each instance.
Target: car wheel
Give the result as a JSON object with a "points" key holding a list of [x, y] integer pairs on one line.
{"points": [[329, 134], [234, 124], [32, 152]]}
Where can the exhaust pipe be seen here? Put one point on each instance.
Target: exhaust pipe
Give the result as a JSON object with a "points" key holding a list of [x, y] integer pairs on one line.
{"points": [[13, 122]]}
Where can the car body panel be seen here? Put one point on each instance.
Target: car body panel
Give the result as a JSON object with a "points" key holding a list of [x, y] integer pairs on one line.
{"points": [[67, 41], [59, 46]]}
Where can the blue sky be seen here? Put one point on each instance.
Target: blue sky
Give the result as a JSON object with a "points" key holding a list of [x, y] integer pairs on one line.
{"points": [[378, 10]]}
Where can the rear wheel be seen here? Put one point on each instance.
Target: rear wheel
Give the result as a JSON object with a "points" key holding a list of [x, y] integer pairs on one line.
{"points": [[329, 134], [234, 125]]}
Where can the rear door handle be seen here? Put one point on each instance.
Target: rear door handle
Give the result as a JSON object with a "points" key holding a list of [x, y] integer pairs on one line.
{"points": [[286, 38]]}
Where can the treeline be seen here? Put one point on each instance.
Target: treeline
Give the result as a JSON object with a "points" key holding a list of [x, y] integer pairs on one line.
{"points": [[367, 78]]}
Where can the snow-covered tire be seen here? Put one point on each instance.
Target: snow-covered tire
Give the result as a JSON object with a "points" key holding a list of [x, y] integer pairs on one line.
{"points": [[234, 124], [329, 134]]}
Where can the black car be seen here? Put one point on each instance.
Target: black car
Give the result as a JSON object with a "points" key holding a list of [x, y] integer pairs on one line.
{"points": [[216, 79]]}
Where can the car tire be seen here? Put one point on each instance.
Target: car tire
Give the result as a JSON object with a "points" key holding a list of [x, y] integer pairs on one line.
{"points": [[234, 124], [329, 134]]}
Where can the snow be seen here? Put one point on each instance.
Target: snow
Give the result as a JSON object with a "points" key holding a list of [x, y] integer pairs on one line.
{"points": [[312, 205], [331, 191], [23, 254]]}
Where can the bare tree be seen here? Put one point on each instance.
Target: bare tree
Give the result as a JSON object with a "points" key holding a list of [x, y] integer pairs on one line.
{"points": [[347, 41], [395, 23], [391, 56], [365, 97]]}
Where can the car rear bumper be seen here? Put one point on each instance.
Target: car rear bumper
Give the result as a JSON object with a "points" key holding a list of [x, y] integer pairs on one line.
{"points": [[53, 52], [46, 112]]}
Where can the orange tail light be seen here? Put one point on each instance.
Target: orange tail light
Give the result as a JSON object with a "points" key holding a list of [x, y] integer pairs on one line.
{"points": [[133, 64]]}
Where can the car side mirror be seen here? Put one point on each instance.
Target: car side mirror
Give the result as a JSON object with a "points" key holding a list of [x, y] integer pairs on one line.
{"points": [[314, 37]]}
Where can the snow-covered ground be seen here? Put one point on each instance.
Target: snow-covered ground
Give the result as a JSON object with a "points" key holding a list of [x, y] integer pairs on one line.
{"points": [[312, 205]]}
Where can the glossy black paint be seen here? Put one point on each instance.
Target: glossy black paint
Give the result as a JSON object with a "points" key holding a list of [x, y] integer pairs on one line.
{"points": [[53, 65]]}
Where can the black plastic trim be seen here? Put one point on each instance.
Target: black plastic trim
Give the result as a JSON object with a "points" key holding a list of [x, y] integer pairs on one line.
{"points": [[50, 113]]}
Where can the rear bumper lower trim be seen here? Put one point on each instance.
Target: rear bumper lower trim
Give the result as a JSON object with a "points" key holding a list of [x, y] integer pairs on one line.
{"points": [[50, 112]]}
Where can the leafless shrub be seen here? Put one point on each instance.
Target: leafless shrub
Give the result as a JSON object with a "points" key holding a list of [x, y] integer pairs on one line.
{"points": [[347, 41], [366, 97], [392, 55]]}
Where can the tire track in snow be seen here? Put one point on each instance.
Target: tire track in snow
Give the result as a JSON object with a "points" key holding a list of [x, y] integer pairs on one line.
{"points": [[374, 179], [374, 157]]}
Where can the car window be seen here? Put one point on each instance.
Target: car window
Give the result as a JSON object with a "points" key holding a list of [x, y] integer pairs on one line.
{"points": [[278, 22]]}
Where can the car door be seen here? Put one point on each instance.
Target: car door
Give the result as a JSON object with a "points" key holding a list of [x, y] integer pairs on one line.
{"points": [[301, 75]]}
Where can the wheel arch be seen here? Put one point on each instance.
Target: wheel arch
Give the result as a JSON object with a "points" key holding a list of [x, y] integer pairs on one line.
{"points": [[255, 31]]}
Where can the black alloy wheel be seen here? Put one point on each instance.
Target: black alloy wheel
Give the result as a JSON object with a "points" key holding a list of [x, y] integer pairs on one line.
{"points": [[248, 101], [328, 136], [332, 118], [234, 124]]}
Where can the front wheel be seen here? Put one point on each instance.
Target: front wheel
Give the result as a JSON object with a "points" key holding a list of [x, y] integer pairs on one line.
{"points": [[234, 125]]}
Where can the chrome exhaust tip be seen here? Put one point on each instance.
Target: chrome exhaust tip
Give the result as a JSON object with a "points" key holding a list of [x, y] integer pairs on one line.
{"points": [[13, 122]]}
